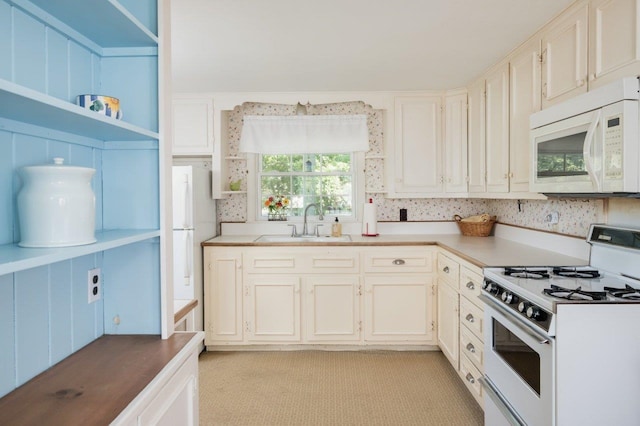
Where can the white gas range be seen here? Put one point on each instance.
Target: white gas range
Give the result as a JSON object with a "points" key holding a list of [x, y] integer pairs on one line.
{"points": [[560, 342]]}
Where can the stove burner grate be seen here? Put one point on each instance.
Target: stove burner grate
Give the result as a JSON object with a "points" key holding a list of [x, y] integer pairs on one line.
{"points": [[627, 293], [576, 273], [534, 274], [577, 294]]}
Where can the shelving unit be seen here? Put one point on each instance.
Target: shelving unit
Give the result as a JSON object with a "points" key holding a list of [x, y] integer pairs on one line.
{"points": [[56, 50]]}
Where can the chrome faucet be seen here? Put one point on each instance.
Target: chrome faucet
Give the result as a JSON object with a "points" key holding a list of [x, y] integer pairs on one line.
{"points": [[305, 230]]}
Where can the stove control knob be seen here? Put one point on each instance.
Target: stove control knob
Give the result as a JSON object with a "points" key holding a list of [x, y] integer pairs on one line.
{"points": [[492, 288], [509, 298], [522, 307], [536, 314]]}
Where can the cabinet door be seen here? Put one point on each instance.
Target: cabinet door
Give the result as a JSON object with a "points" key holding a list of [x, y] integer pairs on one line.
{"points": [[399, 308], [272, 308], [613, 41], [476, 134], [455, 143], [222, 295], [525, 97], [332, 308], [497, 129], [448, 323], [417, 150], [192, 127], [177, 402], [564, 55]]}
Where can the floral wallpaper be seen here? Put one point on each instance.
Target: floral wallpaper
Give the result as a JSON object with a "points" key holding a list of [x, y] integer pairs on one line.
{"points": [[575, 215]]}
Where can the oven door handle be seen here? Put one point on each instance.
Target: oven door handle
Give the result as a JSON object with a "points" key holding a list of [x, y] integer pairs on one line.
{"points": [[491, 391], [524, 327]]}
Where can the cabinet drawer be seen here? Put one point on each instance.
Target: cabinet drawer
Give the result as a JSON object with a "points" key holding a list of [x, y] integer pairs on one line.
{"points": [[471, 317], [470, 376], [331, 263], [448, 270], [399, 260], [277, 262], [472, 347], [470, 285]]}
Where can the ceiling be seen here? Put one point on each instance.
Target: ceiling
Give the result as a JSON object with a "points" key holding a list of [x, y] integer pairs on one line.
{"points": [[345, 45]]}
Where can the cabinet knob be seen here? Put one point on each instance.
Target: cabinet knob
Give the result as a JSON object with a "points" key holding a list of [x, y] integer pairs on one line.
{"points": [[470, 318], [445, 269], [470, 378], [398, 262], [471, 285], [471, 348]]}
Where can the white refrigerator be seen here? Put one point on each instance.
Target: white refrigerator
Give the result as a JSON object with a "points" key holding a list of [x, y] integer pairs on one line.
{"points": [[194, 221]]}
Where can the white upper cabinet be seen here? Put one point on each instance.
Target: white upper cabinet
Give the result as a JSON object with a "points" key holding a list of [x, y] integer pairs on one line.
{"points": [[417, 150], [497, 129], [430, 146], [613, 41], [192, 126], [525, 99], [455, 143], [476, 138], [564, 56]]}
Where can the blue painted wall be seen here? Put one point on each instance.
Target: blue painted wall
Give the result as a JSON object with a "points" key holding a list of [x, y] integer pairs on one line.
{"points": [[44, 312]]}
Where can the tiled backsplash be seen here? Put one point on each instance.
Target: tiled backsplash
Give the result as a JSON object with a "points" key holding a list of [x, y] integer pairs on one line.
{"points": [[575, 215]]}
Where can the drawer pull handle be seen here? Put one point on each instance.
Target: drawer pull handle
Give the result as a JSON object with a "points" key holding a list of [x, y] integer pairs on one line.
{"points": [[445, 269], [471, 348], [398, 262], [470, 318], [471, 286], [470, 378]]}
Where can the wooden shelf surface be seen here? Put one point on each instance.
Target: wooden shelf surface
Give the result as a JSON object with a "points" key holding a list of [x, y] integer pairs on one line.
{"points": [[95, 384]]}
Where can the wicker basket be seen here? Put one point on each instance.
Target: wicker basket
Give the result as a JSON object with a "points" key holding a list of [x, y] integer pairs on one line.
{"points": [[475, 229]]}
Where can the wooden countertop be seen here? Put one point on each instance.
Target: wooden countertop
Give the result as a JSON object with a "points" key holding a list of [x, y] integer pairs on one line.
{"points": [[93, 385], [480, 251]]}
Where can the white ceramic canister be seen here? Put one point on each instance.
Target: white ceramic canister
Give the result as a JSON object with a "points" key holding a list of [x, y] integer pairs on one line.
{"points": [[56, 206]]}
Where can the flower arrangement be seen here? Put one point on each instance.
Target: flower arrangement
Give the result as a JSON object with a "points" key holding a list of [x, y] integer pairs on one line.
{"points": [[277, 207]]}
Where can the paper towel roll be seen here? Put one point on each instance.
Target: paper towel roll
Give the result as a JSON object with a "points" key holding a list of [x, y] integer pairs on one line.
{"points": [[369, 221]]}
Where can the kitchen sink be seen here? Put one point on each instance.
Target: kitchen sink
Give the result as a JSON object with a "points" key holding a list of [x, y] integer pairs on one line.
{"points": [[302, 239]]}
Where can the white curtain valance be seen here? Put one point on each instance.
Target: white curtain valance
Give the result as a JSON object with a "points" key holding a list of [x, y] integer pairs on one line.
{"points": [[304, 134]]}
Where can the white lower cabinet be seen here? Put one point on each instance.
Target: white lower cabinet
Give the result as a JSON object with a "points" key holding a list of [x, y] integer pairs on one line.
{"points": [[460, 319], [399, 308], [332, 308], [223, 295], [272, 308], [319, 295], [172, 397], [177, 404], [448, 323]]}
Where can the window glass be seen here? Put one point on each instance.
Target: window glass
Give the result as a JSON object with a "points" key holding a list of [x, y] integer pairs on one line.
{"points": [[324, 179]]}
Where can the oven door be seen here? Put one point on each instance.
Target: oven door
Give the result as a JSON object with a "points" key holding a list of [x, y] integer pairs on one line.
{"points": [[567, 155], [519, 363]]}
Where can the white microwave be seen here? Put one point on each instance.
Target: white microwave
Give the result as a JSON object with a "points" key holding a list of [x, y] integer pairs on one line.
{"points": [[589, 144]]}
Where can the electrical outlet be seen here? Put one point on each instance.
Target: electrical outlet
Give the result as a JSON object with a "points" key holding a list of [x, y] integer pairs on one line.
{"points": [[552, 218], [94, 283]]}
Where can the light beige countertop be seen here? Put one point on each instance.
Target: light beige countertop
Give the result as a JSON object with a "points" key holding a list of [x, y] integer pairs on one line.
{"points": [[481, 251]]}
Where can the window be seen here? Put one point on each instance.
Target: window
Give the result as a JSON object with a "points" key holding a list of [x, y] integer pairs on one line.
{"points": [[325, 179]]}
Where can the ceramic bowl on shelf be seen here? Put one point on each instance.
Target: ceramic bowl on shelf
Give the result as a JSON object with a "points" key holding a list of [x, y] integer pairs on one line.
{"points": [[235, 185], [105, 105]]}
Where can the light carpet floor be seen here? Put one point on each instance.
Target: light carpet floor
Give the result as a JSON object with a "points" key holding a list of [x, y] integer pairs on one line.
{"points": [[333, 388]]}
